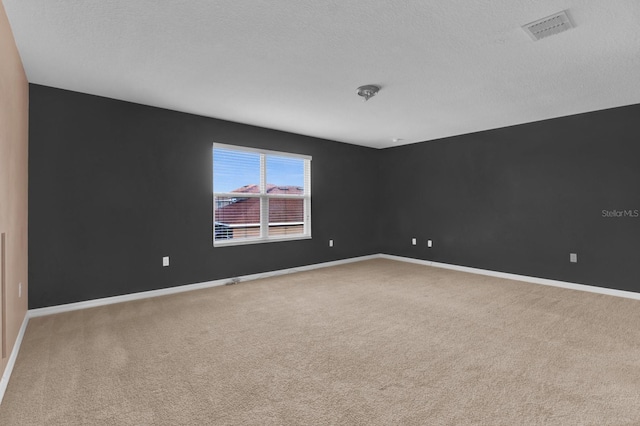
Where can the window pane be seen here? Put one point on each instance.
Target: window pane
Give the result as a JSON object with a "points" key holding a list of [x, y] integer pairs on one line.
{"points": [[236, 171], [286, 173], [286, 216], [245, 215], [236, 218]]}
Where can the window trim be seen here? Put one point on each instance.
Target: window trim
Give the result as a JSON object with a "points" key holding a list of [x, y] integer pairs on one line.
{"points": [[264, 197]]}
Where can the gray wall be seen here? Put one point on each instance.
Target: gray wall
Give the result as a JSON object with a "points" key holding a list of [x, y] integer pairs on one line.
{"points": [[114, 186], [520, 199]]}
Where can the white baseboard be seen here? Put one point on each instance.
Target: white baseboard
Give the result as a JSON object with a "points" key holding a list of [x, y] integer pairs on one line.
{"points": [[180, 289], [535, 280], [4, 382], [190, 287]]}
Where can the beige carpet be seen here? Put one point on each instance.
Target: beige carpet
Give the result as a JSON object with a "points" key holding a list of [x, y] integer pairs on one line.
{"points": [[370, 343]]}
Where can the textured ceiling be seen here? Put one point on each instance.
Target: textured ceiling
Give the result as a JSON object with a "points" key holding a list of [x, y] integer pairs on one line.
{"points": [[446, 67]]}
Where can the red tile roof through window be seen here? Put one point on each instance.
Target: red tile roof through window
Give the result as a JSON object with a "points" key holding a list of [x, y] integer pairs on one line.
{"points": [[247, 210]]}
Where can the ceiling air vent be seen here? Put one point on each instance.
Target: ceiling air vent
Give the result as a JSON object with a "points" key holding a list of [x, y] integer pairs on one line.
{"points": [[550, 25]]}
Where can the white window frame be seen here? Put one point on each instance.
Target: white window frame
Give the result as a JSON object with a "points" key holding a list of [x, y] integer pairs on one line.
{"points": [[264, 198]]}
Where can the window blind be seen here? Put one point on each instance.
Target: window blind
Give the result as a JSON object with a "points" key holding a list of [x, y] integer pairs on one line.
{"points": [[260, 195]]}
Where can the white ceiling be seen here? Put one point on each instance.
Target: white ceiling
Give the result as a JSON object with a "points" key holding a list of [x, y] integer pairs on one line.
{"points": [[446, 67]]}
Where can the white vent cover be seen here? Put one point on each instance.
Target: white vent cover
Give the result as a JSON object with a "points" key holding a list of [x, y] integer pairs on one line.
{"points": [[550, 25]]}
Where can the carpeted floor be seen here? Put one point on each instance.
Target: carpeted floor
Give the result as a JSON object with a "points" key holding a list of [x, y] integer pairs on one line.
{"points": [[370, 343]]}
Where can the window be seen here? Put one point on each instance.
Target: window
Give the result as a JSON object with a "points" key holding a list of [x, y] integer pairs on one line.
{"points": [[260, 196]]}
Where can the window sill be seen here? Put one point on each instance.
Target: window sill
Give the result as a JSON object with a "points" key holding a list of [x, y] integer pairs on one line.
{"points": [[225, 243]]}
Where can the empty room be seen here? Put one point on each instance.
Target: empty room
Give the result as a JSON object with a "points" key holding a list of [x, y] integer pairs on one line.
{"points": [[216, 212]]}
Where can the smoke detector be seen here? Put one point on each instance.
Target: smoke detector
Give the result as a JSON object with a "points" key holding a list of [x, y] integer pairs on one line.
{"points": [[550, 25]]}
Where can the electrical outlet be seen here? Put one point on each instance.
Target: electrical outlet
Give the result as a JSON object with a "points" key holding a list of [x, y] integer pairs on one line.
{"points": [[429, 243], [330, 243], [413, 241], [573, 257], [165, 261]]}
